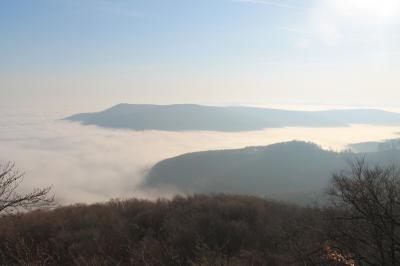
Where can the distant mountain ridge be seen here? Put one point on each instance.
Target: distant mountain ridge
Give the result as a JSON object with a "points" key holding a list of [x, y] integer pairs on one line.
{"points": [[374, 146], [296, 170], [190, 117]]}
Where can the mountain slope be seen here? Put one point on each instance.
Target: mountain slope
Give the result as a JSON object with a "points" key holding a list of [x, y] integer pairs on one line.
{"points": [[374, 146], [291, 170], [184, 117]]}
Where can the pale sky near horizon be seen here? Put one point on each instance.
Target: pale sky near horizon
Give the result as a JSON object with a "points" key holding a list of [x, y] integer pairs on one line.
{"points": [[101, 52]]}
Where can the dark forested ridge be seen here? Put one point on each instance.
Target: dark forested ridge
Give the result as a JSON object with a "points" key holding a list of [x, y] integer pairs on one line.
{"points": [[185, 117], [296, 171]]}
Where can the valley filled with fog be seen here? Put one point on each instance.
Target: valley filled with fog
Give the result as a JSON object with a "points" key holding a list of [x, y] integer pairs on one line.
{"points": [[90, 164]]}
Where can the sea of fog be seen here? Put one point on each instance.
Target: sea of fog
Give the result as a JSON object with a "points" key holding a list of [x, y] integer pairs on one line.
{"points": [[90, 164]]}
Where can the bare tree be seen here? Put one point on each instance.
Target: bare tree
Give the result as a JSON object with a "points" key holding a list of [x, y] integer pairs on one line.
{"points": [[12, 200], [364, 219]]}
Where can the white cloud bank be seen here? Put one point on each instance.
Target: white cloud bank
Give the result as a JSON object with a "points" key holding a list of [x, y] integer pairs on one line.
{"points": [[90, 164]]}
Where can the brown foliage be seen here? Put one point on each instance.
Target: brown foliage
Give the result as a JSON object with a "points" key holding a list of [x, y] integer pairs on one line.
{"points": [[197, 230]]}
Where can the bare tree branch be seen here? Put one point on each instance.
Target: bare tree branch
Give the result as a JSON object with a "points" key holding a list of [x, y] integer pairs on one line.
{"points": [[366, 217], [12, 200]]}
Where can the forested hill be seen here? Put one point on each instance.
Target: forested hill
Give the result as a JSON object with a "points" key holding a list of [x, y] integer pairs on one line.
{"points": [[297, 171], [185, 117], [373, 146]]}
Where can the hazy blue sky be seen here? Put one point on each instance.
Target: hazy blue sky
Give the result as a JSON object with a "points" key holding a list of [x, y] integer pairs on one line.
{"points": [[101, 52]]}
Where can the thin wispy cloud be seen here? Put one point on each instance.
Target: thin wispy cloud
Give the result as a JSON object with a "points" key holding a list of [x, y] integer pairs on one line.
{"points": [[279, 4], [389, 53], [303, 43], [113, 8], [297, 65], [335, 21], [296, 30]]}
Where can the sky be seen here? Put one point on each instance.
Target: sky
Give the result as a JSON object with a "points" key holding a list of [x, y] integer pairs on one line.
{"points": [[88, 54]]}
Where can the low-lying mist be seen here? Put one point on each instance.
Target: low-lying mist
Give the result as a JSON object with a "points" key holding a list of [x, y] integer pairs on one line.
{"points": [[90, 164]]}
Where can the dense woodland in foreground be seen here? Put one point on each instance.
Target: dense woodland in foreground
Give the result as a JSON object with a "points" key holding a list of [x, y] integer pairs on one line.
{"points": [[359, 226], [198, 230]]}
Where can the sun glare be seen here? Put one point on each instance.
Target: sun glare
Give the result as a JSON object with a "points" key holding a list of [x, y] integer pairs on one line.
{"points": [[367, 11]]}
